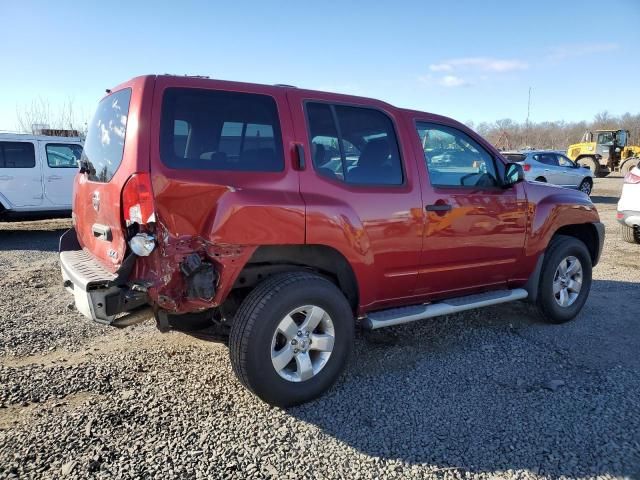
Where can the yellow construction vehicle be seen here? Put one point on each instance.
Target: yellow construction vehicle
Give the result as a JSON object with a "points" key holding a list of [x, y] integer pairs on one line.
{"points": [[605, 151]]}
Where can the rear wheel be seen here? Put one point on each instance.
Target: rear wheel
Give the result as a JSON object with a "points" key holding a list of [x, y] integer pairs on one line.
{"points": [[291, 338], [628, 165], [593, 165], [630, 234], [586, 186], [541, 179], [565, 279]]}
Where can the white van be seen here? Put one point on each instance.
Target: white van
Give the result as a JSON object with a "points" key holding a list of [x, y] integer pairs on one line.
{"points": [[36, 173]]}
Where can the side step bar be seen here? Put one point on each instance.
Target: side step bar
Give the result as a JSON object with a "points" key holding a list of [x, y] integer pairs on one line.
{"points": [[397, 316]]}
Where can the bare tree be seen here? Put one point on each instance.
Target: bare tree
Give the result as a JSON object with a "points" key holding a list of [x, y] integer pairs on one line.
{"points": [[508, 134], [41, 113]]}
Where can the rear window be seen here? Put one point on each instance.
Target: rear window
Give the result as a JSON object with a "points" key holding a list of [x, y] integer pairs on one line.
{"points": [[104, 144], [216, 130], [514, 157], [17, 155]]}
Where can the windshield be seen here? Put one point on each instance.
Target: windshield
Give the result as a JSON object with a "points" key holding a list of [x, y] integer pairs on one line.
{"points": [[104, 145]]}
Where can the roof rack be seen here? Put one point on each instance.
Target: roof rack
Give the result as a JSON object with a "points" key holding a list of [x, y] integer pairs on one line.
{"points": [[284, 85]]}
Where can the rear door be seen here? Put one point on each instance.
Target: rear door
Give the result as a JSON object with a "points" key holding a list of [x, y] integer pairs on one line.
{"points": [[361, 191], [59, 166], [551, 170], [20, 174], [116, 147]]}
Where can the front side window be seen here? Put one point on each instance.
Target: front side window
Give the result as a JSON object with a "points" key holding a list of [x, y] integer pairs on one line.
{"points": [[454, 159], [17, 155], [218, 130], [63, 155], [364, 152], [565, 162], [104, 146]]}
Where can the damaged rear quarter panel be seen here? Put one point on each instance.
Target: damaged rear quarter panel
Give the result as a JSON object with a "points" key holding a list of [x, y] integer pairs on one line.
{"points": [[223, 224], [221, 215]]}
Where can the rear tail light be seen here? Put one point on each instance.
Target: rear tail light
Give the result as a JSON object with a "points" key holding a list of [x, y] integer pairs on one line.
{"points": [[138, 208], [527, 167], [631, 178], [137, 200]]}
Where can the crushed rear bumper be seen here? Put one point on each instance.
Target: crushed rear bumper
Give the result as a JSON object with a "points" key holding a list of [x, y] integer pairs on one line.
{"points": [[99, 294]]}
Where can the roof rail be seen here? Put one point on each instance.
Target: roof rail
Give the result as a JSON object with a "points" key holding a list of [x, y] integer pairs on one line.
{"points": [[284, 85]]}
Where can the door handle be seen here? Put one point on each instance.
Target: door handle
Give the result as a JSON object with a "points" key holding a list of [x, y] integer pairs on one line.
{"points": [[546, 169], [6, 177], [438, 207], [54, 177]]}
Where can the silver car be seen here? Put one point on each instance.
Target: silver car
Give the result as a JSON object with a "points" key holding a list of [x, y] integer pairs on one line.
{"points": [[552, 167]]}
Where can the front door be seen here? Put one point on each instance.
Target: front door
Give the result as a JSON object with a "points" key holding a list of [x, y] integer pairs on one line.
{"points": [[59, 165], [20, 174], [475, 229]]}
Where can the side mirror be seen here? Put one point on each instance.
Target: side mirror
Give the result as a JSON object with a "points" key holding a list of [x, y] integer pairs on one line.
{"points": [[513, 174]]}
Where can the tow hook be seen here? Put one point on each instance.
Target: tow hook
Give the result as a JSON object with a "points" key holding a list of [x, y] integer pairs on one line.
{"points": [[200, 277]]}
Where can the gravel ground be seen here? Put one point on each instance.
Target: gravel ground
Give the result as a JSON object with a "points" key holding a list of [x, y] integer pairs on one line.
{"points": [[486, 394]]}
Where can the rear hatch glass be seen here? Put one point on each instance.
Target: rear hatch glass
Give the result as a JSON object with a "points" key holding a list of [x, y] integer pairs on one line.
{"points": [[104, 145], [514, 157]]}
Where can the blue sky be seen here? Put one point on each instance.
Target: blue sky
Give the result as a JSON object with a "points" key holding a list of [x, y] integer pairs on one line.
{"points": [[469, 60]]}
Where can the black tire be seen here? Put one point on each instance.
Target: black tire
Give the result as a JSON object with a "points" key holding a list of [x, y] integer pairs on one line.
{"points": [[593, 165], [629, 234], [256, 321], [586, 186], [559, 248], [541, 179]]}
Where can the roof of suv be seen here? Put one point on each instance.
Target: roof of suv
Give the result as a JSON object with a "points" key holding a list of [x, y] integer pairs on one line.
{"points": [[347, 98]]}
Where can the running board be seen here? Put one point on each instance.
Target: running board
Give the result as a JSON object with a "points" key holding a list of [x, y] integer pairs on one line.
{"points": [[397, 316]]}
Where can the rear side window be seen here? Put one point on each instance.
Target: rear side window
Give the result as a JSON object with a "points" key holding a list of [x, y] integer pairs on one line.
{"points": [[63, 155], [104, 145], [17, 155], [354, 144], [217, 130], [547, 159]]}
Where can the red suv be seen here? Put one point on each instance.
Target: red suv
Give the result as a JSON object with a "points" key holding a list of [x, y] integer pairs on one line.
{"points": [[289, 215]]}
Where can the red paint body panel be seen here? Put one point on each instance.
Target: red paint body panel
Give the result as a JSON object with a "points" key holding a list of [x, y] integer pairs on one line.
{"points": [[400, 254]]}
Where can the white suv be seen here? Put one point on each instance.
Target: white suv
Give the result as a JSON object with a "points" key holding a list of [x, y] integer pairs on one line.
{"points": [[36, 173], [629, 207]]}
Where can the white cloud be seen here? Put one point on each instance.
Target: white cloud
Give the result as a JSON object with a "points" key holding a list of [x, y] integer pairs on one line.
{"points": [[452, 81], [440, 67], [562, 52], [485, 64]]}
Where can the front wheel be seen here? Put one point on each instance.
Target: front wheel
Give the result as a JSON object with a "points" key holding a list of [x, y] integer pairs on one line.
{"points": [[291, 338], [565, 279], [586, 186]]}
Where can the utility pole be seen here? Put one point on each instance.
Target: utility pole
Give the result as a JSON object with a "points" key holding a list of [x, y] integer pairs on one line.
{"points": [[527, 122]]}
